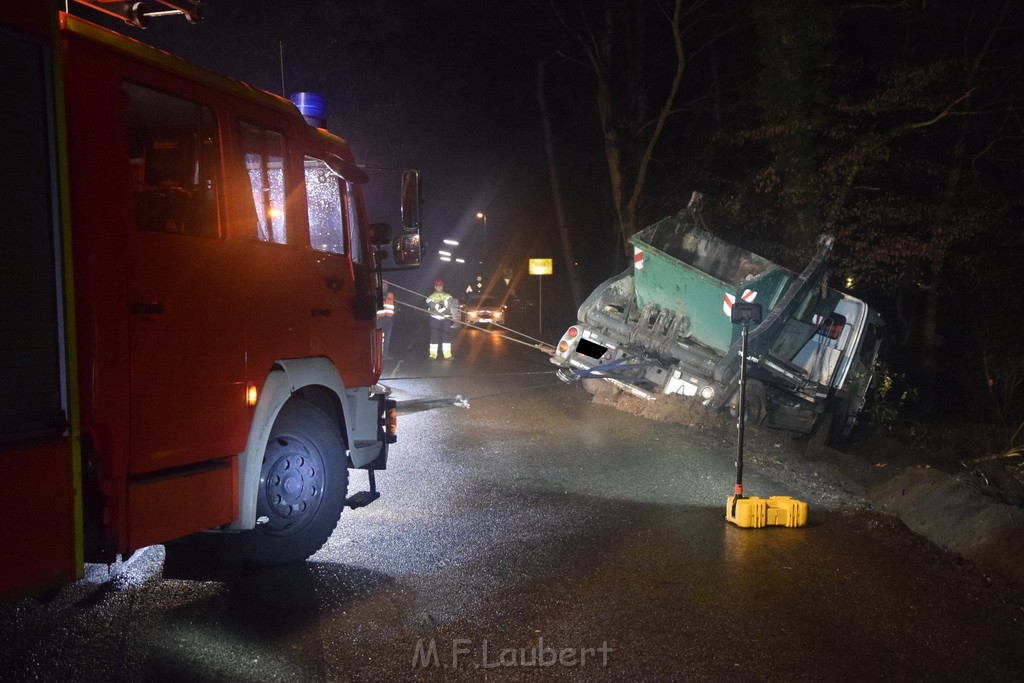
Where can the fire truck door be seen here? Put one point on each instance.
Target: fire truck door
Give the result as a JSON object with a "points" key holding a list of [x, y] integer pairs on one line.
{"points": [[187, 351], [185, 291], [333, 286]]}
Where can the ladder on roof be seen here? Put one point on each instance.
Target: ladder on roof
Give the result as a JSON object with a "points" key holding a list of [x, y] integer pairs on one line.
{"points": [[139, 14]]}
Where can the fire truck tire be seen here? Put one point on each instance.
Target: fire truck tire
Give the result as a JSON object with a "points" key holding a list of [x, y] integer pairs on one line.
{"points": [[302, 488]]}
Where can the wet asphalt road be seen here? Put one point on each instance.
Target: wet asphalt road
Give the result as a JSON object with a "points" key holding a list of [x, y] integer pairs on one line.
{"points": [[536, 536]]}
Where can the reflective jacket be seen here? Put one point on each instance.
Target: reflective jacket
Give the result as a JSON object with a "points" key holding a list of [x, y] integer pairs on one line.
{"points": [[440, 305], [389, 306]]}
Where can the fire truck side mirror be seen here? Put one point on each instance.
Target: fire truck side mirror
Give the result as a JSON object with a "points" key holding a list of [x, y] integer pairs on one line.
{"points": [[411, 201], [407, 251]]}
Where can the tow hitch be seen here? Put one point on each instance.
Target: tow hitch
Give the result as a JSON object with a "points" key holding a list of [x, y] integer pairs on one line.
{"points": [[428, 403]]}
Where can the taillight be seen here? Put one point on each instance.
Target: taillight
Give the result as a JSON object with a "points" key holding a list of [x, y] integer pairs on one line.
{"points": [[563, 346], [572, 332]]}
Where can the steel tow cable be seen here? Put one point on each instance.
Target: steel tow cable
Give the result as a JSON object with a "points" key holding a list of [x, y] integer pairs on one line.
{"points": [[539, 344], [462, 401], [459, 400]]}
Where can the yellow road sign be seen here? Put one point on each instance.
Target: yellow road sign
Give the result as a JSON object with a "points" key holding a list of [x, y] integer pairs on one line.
{"points": [[541, 266]]}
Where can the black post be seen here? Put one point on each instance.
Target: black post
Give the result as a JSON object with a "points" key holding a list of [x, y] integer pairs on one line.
{"points": [[741, 418], [743, 312]]}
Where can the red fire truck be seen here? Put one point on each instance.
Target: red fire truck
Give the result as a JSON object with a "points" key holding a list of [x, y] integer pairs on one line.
{"points": [[188, 296]]}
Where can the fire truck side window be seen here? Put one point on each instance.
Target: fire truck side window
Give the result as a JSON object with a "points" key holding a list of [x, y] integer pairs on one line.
{"points": [[323, 197], [263, 152], [173, 156], [355, 227]]}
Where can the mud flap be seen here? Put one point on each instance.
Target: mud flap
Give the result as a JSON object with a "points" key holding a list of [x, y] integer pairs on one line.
{"points": [[386, 436], [366, 417]]}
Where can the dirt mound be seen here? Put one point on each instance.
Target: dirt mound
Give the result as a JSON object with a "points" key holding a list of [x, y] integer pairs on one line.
{"points": [[954, 513], [673, 408]]}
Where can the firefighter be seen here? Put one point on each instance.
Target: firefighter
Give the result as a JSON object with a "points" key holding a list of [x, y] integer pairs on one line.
{"points": [[386, 317], [441, 305]]}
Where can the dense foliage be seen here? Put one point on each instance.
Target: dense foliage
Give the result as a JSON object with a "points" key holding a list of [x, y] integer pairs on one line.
{"points": [[894, 126]]}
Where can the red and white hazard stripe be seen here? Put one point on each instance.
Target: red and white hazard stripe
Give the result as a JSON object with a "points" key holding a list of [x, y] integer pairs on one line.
{"points": [[748, 295], [638, 258]]}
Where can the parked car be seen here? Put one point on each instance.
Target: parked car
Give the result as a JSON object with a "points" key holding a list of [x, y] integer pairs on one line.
{"points": [[482, 309]]}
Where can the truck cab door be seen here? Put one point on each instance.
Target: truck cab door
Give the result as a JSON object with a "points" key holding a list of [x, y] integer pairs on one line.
{"points": [[185, 289], [344, 311]]}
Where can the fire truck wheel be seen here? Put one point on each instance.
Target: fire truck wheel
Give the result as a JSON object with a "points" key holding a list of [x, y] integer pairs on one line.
{"points": [[302, 489]]}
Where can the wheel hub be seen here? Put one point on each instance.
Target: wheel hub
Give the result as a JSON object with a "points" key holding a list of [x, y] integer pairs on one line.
{"points": [[293, 482]]}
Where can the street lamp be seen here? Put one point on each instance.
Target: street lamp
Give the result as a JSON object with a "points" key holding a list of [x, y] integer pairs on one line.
{"points": [[483, 217], [446, 253]]}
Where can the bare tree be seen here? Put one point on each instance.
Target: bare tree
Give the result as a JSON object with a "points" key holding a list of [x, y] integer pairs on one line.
{"points": [[615, 48], [556, 190]]}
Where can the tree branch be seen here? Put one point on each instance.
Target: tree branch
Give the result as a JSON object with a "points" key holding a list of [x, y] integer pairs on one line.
{"points": [[666, 108], [941, 115]]}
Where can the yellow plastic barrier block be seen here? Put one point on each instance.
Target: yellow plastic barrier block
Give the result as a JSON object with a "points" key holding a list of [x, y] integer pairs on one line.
{"points": [[753, 512]]}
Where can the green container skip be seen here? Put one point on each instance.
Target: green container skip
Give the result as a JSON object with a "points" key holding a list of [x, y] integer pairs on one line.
{"points": [[680, 266]]}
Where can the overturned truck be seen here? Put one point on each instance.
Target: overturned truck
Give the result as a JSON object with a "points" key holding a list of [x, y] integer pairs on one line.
{"points": [[663, 327]]}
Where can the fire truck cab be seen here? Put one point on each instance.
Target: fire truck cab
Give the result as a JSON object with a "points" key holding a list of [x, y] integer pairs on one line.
{"points": [[190, 285]]}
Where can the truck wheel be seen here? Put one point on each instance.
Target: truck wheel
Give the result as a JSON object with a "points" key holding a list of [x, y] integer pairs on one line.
{"points": [[303, 483], [840, 411], [828, 430], [755, 404], [755, 410]]}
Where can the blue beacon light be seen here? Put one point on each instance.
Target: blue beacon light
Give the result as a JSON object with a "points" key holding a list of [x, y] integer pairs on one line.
{"points": [[311, 106]]}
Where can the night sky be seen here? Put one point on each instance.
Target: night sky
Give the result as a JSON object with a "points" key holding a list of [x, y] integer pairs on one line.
{"points": [[895, 126], [446, 87]]}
